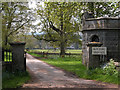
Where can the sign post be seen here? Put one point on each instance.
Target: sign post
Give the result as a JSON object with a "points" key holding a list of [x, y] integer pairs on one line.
{"points": [[99, 51]]}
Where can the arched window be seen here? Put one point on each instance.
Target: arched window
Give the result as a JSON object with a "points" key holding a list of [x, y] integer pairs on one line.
{"points": [[94, 38]]}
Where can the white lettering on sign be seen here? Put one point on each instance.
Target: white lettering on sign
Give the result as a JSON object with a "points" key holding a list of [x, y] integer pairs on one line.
{"points": [[99, 51]]}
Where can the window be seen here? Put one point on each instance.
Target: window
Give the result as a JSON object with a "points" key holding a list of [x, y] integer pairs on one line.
{"points": [[94, 38]]}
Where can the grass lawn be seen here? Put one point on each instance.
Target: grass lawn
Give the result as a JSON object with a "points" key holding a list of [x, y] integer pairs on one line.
{"points": [[57, 51], [74, 64], [14, 80]]}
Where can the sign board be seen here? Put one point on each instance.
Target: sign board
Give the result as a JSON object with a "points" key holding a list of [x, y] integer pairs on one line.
{"points": [[99, 51]]}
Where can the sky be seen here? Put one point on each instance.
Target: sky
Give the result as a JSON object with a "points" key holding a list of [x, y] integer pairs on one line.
{"points": [[33, 5]]}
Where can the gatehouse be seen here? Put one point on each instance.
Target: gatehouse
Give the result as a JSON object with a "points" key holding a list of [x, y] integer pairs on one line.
{"points": [[100, 32]]}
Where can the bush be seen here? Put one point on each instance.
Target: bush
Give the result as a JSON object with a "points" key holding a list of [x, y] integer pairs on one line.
{"points": [[109, 69]]}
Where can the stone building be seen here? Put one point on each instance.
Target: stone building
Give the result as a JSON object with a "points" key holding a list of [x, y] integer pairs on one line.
{"points": [[105, 31]]}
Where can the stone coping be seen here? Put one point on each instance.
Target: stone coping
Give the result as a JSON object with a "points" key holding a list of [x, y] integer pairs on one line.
{"points": [[108, 29], [103, 18], [101, 23], [94, 44]]}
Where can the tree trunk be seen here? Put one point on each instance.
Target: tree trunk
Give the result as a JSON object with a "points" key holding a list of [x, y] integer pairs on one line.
{"points": [[6, 40], [62, 43], [62, 49]]}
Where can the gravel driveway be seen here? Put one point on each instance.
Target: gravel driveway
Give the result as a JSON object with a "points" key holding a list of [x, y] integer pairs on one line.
{"points": [[46, 76]]}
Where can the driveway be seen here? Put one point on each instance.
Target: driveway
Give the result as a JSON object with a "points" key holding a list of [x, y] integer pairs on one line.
{"points": [[46, 76]]}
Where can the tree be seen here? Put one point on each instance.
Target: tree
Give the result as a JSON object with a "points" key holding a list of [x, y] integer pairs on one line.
{"points": [[59, 23], [15, 16], [101, 9]]}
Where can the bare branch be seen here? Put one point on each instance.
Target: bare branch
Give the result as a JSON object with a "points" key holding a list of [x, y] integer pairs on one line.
{"points": [[54, 28], [18, 28]]}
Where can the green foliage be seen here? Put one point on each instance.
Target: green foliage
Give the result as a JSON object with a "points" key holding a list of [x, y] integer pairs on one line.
{"points": [[14, 80], [101, 9], [15, 17], [110, 68]]}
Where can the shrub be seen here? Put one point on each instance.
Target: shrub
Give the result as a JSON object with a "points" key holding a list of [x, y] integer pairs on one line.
{"points": [[109, 69]]}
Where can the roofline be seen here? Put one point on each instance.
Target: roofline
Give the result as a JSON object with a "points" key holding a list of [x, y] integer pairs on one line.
{"points": [[103, 18]]}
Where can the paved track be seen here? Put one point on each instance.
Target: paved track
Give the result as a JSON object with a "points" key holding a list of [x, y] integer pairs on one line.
{"points": [[46, 76]]}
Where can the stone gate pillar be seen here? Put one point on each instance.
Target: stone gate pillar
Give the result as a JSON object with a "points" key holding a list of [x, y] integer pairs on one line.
{"points": [[92, 61], [18, 56]]}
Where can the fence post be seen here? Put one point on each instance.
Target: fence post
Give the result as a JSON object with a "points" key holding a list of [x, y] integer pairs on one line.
{"points": [[69, 54]]}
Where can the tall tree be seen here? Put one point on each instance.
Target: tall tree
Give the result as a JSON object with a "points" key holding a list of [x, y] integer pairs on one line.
{"points": [[15, 16], [59, 23]]}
